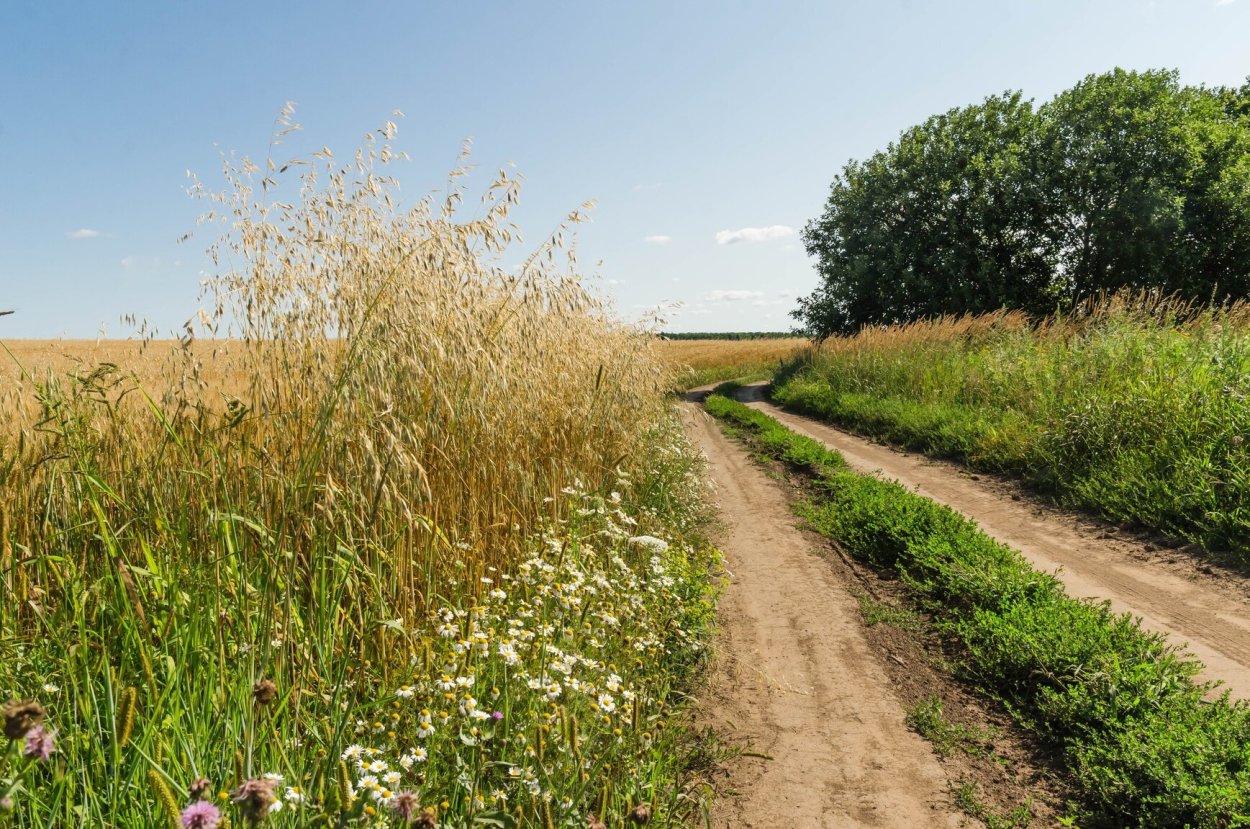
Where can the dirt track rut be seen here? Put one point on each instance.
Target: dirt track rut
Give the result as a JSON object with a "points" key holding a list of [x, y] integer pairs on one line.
{"points": [[1208, 614], [797, 681]]}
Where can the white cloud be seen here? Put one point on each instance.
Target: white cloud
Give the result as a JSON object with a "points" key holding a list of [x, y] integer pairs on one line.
{"points": [[753, 234], [658, 239], [1224, 2], [732, 296], [135, 261], [84, 233]]}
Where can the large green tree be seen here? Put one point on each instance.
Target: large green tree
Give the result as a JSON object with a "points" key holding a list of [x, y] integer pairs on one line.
{"points": [[1127, 179]]}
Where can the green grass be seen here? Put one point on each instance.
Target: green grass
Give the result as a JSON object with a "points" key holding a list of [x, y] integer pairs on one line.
{"points": [[1143, 744], [413, 524], [928, 718], [875, 612], [1138, 414]]}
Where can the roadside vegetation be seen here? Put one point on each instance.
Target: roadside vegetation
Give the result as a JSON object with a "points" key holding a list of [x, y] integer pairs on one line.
{"points": [[420, 546], [698, 362], [1132, 407], [1146, 745]]}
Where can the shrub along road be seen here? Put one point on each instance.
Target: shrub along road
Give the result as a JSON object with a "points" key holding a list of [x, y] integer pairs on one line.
{"points": [[797, 681], [1197, 608]]}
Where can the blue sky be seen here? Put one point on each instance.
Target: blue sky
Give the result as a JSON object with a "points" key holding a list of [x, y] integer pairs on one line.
{"points": [[707, 132]]}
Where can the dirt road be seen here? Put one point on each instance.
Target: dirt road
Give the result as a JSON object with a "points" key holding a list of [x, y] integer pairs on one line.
{"points": [[796, 679], [1208, 611]]}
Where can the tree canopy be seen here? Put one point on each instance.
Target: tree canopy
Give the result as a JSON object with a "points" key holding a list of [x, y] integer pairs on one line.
{"points": [[1128, 179]]}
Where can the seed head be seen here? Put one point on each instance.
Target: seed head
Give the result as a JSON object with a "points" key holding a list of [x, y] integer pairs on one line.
{"points": [[265, 692], [20, 717], [640, 814], [200, 789], [428, 819], [254, 797]]}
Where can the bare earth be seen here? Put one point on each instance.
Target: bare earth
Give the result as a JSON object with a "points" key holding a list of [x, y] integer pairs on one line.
{"points": [[1194, 605], [796, 679]]}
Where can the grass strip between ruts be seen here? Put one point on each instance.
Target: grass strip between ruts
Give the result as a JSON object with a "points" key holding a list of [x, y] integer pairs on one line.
{"points": [[1143, 743]]}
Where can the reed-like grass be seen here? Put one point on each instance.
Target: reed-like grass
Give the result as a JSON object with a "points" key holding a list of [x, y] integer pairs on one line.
{"points": [[1132, 406], [377, 458]]}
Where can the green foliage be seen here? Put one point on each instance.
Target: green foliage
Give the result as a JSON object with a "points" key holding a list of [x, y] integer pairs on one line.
{"points": [[1145, 745], [1131, 414], [928, 718], [1128, 179]]}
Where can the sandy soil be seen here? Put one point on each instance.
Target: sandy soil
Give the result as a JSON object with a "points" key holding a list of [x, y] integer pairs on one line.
{"points": [[797, 681], [1194, 604]]}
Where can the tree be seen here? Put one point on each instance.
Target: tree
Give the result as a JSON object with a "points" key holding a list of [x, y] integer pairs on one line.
{"points": [[1128, 179], [935, 224]]}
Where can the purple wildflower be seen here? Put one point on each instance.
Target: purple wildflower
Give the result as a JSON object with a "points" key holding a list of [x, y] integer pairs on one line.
{"points": [[201, 815], [405, 805], [498, 715], [40, 743]]}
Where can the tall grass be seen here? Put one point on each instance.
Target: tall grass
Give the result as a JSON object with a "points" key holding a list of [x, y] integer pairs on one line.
{"points": [[337, 501], [699, 362], [1134, 406]]}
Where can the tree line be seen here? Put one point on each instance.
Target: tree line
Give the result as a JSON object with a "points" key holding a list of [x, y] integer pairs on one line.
{"points": [[1128, 179], [727, 335]]}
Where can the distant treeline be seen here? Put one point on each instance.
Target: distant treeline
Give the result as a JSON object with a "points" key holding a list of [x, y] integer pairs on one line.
{"points": [[1128, 179], [729, 335]]}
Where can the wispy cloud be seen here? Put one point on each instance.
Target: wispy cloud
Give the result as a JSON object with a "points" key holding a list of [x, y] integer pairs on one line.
{"points": [[134, 261], [753, 234], [732, 296], [84, 233], [1224, 2], [658, 239]]}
